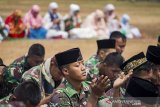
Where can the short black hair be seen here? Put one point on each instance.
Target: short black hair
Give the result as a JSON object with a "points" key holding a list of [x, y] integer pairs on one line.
{"points": [[36, 49], [114, 58], [117, 34], [28, 91]]}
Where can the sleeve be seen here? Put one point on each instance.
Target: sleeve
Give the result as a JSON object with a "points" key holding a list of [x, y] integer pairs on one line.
{"points": [[60, 99]]}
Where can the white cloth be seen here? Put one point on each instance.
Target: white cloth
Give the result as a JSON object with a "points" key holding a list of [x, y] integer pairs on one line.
{"points": [[54, 33]]}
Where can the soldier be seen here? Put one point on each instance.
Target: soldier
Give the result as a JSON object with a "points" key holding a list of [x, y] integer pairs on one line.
{"points": [[74, 92], [111, 67], [120, 41], [140, 86], [4, 87], [48, 77], [105, 47], [26, 94], [15, 70]]}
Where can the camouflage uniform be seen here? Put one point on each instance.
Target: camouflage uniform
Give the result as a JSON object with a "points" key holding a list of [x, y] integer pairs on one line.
{"points": [[92, 67], [9, 102], [66, 96], [15, 70], [41, 74], [106, 99]]}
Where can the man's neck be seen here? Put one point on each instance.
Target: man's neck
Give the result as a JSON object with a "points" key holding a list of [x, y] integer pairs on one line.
{"points": [[75, 84]]}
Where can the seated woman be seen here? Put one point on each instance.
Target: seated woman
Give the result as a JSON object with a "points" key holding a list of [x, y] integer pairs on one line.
{"points": [[52, 21], [33, 21], [16, 25], [127, 29], [3, 30], [73, 19], [95, 21]]}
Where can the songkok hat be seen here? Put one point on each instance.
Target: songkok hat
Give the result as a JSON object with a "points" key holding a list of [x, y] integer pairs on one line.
{"points": [[106, 43], [68, 56], [153, 54], [134, 62]]}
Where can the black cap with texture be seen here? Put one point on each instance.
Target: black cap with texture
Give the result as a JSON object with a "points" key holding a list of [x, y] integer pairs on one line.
{"points": [[134, 62], [69, 56]]}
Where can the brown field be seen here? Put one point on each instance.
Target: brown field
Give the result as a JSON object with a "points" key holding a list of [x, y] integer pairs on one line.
{"points": [[145, 15], [10, 50]]}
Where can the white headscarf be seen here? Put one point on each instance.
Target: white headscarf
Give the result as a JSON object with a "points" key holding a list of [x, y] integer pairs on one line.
{"points": [[73, 8], [53, 5], [109, 7]]}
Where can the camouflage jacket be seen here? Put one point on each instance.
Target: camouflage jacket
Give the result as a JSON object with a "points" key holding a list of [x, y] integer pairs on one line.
{"points": [[92, 67], [8, 101], [41, 74], [14, 71], [66, 96]]}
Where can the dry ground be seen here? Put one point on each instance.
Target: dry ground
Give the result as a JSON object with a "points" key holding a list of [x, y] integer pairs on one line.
{"points": [[145, 15], [10, 50]]}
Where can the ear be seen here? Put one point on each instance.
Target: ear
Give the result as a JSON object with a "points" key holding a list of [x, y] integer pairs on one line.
{"points": [[65, 71]]}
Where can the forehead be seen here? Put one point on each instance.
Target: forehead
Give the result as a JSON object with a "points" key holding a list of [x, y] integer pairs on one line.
{"points": [[120, 41]]}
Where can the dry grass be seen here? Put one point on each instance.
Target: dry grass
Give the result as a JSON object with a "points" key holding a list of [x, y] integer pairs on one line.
{"points": [[145, 15], [11, 50]]}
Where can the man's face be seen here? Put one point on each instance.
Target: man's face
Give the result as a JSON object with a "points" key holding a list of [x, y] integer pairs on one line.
{"points": [[111, 71], [120, 45], [76, 71], [35, 60], [104, 52]]}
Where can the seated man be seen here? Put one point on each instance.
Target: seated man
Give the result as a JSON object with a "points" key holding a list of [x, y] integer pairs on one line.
{"points": [[3, 30], [48, 77], [26, 94], [120, 41], [15, 70], [104, 46], [140, 86], [74, 91]]}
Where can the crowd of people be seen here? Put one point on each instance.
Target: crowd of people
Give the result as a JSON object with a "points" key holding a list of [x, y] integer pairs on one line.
{"points": [[98, 24], [106, 79]]}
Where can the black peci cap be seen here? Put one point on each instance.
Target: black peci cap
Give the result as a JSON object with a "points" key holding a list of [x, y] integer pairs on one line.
{"points": [[153, 54], [68, 56], [134, 62], [106, 43]]}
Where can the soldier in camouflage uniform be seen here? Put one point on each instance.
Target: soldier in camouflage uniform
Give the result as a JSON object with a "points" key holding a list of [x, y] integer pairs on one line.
{"points": [[111, 67], [120, 41], [47, 75], [105, 47], [15, 70], [26, 94], [74, 91]]}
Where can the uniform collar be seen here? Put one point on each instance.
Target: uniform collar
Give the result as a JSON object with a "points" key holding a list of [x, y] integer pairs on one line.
{"points": [[71, 91]]}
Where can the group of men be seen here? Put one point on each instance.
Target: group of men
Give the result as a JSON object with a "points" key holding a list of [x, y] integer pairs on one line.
{"points": [[66, 80]]}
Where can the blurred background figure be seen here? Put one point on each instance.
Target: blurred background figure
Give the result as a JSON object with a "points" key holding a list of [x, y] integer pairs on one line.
{"points": [[16, 25], [52, 21], [96, 21], [111, 18], [3, 30], [33, 21], [127, 29], [73, 19]]}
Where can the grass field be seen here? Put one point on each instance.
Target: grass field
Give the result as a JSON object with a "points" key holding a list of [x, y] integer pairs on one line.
{"points": [[145, 15]]}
